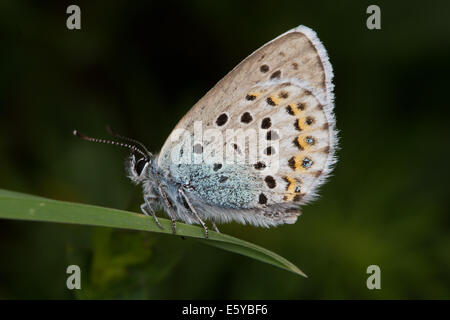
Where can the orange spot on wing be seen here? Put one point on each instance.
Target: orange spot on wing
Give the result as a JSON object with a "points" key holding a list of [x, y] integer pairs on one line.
{"points": [[273, 100], [299, 163], [291, 192], [294, 109], [302, 143]]}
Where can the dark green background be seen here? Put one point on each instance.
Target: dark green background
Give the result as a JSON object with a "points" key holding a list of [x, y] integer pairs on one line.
{"points": [[140, 66]]}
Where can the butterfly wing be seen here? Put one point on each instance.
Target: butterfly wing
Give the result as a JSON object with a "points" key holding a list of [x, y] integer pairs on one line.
{"points": [[283, 91]]}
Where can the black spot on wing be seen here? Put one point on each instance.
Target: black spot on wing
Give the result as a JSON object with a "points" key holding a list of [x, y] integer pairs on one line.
{"points": [[259, 165], [266, 123], [264, 68], [222, 119], [262, 199], [276, 75], [246, 117], [270, 181]]}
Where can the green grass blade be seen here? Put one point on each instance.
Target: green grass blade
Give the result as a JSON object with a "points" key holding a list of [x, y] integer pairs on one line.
{"points": [[21, 206]]}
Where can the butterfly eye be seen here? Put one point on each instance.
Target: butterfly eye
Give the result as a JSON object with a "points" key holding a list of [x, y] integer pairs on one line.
{"points": [[139, 166]]}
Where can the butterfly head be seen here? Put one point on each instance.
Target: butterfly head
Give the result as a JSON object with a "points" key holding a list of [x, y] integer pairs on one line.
{"points": [[137, 167], [138, 162]]}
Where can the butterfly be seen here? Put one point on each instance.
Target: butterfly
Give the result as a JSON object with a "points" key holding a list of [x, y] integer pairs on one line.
{"points": [[254, 149]]}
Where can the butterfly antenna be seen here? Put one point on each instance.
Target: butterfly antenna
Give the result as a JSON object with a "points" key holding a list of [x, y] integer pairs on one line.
{"points": [[114, 134], [116, 143]]}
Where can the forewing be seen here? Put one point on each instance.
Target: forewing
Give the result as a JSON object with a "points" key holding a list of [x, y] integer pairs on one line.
{"points": [[284, 92]]}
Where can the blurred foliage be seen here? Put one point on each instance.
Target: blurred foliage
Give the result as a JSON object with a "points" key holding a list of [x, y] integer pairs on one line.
{"points": [[126, 265], [140, 66], [24, 207]]}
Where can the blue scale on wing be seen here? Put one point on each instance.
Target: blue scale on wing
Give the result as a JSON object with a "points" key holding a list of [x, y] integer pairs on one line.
{"points": [[234, 186]]}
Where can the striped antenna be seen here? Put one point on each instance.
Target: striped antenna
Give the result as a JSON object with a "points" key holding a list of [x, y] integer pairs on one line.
{"points": [[114, 134], [133, 148]]}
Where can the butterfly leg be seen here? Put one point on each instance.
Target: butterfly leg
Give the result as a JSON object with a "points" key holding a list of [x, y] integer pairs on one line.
{"points": [[145, 208], [169, 209], [214, 226], [191, 207]]}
